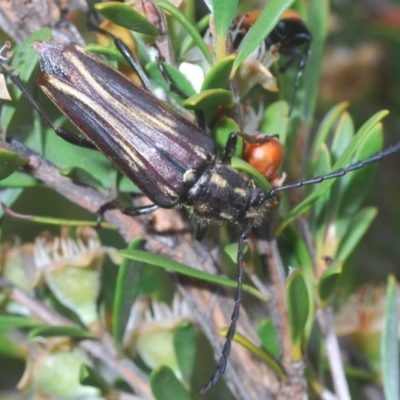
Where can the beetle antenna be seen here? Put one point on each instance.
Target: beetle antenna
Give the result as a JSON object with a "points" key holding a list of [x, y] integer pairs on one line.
{"points": [[226, 350], [342, 171]]}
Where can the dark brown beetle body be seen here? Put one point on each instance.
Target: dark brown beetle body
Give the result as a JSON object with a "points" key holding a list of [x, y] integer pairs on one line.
{"points": [[173, 161]]}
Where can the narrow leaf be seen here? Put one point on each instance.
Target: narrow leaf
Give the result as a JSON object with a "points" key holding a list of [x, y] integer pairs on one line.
{"points": [[328, 280], [172, 265], [212, 98], [327, 123], [54, 331], [223, 12], [185, 349], [390, 344], [259, 353], [128, 281], [267, 334], [341, 163], [298, 307], [242, 165], [9, 162], [359, 225], [8, 322], [177, 78], [125, 16], [218, 76]]}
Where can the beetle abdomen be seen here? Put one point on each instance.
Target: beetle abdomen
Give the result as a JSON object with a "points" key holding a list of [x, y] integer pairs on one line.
{"points": [[154, 146]]}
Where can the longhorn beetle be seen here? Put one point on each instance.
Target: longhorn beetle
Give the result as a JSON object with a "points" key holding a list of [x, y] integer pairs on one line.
{"points": [[173, 161]]}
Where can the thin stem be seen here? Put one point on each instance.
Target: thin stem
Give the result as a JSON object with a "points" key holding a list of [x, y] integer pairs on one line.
{"points": [[325, 319]]}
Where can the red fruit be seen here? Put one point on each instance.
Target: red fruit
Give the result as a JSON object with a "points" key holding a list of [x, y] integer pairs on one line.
{"points": [[264, 157]]}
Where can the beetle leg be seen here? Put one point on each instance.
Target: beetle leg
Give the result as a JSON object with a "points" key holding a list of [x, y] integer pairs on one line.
{"points": [[201, 230], [294, 55], [63, 133], [226, 350], [259, 138], [93, 23], [200, 118], [230, 148], [133, 211], [133, 62], [167, 77]]}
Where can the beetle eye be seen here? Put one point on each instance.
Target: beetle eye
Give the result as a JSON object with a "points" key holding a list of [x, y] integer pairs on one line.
{"points": [[258, 197]]}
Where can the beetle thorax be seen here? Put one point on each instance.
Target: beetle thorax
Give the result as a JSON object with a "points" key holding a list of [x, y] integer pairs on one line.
{"points": [[223, 194]]}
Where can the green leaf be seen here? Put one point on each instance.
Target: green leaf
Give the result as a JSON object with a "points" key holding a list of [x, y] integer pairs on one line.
{"points": [[191, 30], [127, 17], [8, 322], [80, 175], [66, 155], [328, 280], [317, 22], [390, 343], [110, 53], [223, 12], [242, 165], [172, 265], [343, 135], [267, 334], [221, 131], [53, 331], [275, 120], [19, 180], [321, 167], [128, 283], [326, 207], [358, 226], [9, 162], [232, 250], [165, 385], [209, 99], [265, 23], [327, 124], [127, 186], [218, 76], [88, 376], [178, 79], [341, 163], [188, 43], [11, 349], [298, 308], [357, 184], [185, 349]]}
